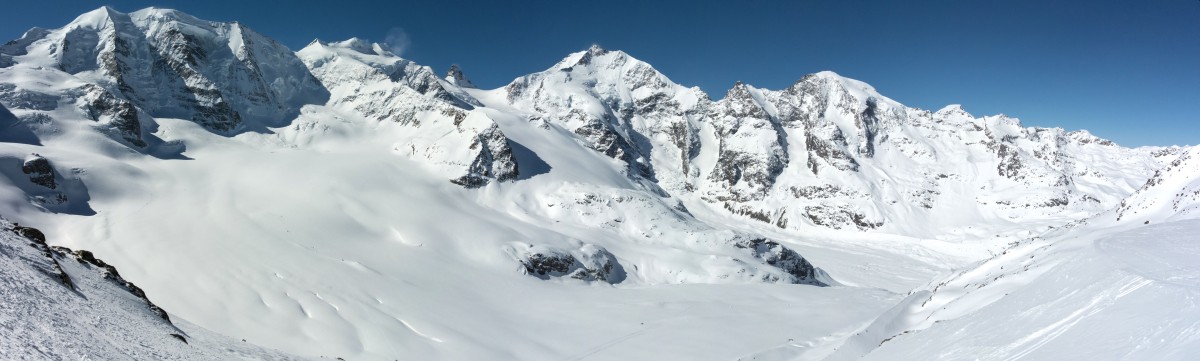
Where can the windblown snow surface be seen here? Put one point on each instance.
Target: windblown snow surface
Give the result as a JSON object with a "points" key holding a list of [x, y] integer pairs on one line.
{"points": [[341, 201]]}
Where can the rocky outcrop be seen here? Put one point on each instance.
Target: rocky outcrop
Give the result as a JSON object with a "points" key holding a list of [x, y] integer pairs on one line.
{"points": [[110, 273], [456, 77], [752, 150], [783, 258], [494, 160], [39, 170], [115, 116], [587, 263], [45, 185], [62, 304], [839, 217], [39, 243], [55, 254]]}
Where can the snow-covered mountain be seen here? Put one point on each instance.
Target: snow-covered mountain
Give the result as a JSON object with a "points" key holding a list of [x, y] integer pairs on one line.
{"points": [[829, 151], [170, 64], [342, 201], [367, 80]]}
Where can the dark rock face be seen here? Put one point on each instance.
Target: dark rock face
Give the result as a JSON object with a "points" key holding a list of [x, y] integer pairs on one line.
{"points": [[495, 160], [868, 123], [600, 135], [553, 264], [180, 54], [830, 150], [455, 76], [803, 106], [39, 243], [588, 263], [753, 148], [33, 234], [783, 258], [116, 116], [1010, 161], [40, 172], [811, 100], [424, 80], [686, 138], [110, 273], [55, 253], [838, 216]]}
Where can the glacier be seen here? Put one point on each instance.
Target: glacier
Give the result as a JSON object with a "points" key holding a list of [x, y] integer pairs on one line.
{"points": [[340, 201]]}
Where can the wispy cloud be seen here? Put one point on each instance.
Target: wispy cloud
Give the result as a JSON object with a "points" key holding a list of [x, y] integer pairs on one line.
{"points": [[397, 40]]}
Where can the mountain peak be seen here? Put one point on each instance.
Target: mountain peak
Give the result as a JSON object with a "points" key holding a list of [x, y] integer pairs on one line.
{"points": [[95, 18], [107, 10], [738, 91], [455, 76], [826, 81], [154, 14], [355, 43], [585, 57], [361, 45], [953, 109], [827, 74], [596, 50]]}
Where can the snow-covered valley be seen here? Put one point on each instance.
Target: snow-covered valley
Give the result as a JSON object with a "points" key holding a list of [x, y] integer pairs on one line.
{"points": [[340, 201]]}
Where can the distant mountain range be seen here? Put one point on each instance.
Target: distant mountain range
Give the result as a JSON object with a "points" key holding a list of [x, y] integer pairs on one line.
{"points": [[325, 197]]}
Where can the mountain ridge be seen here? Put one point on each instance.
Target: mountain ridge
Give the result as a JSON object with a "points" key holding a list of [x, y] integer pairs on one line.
{"points": [[357, 203], [817, 132]]}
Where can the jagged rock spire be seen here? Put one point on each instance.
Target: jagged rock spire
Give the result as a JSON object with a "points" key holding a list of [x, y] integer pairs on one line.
{"points": [[455, 76]]}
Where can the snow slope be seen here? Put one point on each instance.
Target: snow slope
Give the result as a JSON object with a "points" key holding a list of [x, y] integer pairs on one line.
{"points": [[64, 304], [1120, 285], [341, 201]]}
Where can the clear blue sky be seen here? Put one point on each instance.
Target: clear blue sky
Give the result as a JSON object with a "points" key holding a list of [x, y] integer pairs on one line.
{"points": [[1125, 70]]}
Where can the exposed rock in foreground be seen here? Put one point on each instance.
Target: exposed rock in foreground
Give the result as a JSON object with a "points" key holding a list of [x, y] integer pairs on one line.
{"points": [[66, 304]]}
